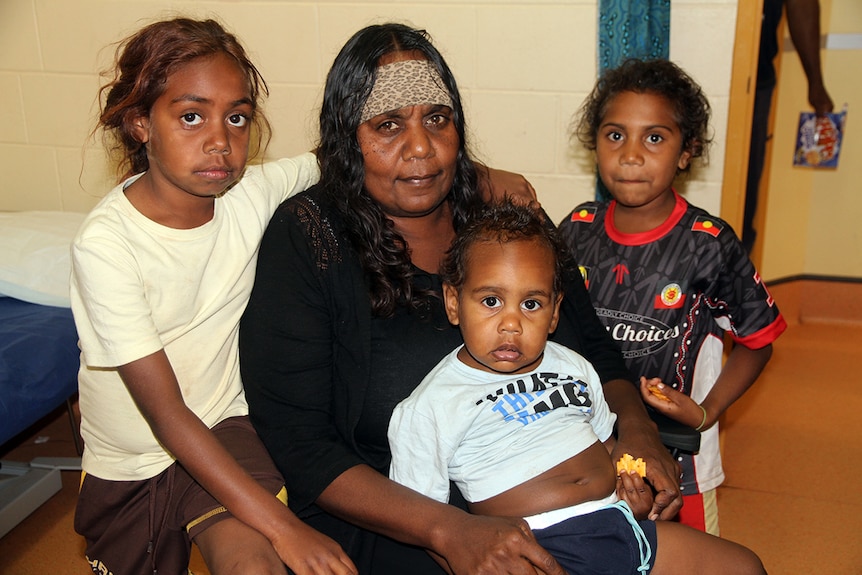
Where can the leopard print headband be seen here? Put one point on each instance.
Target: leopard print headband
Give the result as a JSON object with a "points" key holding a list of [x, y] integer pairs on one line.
{"points": [[405, 83]]}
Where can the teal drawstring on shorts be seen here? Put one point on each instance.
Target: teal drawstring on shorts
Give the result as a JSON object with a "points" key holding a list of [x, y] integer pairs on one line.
{"points": [[643, 544]]}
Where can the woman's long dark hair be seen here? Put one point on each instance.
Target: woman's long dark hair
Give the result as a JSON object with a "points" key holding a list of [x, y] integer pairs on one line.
{"points": [[383, 253]]}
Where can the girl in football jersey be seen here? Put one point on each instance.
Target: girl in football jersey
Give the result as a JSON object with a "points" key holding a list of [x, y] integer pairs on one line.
{"points": [[667, 278]]}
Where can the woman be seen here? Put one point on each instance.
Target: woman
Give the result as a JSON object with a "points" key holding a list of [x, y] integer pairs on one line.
{"points": [[345, 318]]}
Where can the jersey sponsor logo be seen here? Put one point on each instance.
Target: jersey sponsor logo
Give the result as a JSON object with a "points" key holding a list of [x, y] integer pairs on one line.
{"points": [[706, 224], [585, 214], [527, 399], [671, 297], [638, 335]]}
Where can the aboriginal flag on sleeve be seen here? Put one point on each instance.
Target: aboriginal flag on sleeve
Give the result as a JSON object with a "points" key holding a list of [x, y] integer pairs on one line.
{"points": [[708, 225], [584, 214]]}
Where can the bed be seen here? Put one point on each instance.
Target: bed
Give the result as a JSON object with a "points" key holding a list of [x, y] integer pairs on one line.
{"points": [[38, 363], [39, 355]]}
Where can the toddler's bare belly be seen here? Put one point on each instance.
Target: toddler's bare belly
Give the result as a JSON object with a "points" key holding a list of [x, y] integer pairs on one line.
{"points": [[588, 476]]}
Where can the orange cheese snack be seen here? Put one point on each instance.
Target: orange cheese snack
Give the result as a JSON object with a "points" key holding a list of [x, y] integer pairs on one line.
{"points": [[628, 464], [656, 392]]}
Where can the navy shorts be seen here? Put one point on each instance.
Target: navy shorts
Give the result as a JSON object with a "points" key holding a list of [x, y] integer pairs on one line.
{"points": [[604, 542]]}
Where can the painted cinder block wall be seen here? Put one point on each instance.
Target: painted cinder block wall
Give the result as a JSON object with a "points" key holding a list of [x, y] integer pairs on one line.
{"points": [[524, 67]]}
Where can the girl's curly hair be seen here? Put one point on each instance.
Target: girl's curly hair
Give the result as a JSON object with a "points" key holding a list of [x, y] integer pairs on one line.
{"points": [[143, 62], [661, 77]]}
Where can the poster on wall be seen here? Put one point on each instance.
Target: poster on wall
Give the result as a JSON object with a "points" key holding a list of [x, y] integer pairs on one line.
{"points": [[819, 139]]}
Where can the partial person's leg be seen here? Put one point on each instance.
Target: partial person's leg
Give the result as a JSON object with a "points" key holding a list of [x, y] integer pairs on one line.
{"points": [[682, 550], [756, 161]]}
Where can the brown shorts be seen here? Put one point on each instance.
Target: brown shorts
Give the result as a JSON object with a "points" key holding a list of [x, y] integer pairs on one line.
{"points": [[138, 527]]}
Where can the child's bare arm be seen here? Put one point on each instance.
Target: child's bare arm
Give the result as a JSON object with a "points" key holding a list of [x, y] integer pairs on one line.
{"points": [[154, 387], [739, 373], [670, 402]]}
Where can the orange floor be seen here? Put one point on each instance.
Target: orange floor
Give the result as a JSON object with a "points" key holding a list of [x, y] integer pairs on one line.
{"points": [[793, 456], [792, 450]]}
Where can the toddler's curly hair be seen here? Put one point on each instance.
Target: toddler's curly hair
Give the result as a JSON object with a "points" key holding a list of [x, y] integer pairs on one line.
{"points": [[503, 222]]}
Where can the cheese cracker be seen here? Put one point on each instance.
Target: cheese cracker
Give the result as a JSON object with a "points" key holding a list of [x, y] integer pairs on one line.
{"points": [[628, 464], [656, 392]]}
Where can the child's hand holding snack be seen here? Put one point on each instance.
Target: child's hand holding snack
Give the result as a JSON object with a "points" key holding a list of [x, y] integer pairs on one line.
{"points": [[668, 401], [631, 486]]}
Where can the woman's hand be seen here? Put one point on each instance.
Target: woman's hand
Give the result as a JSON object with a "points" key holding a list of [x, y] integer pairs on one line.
{"points": [[662, 471], [638, 436], [308, 552], [154, 387], [632, 489], [498, 184], [482, 545], [462, 543]]}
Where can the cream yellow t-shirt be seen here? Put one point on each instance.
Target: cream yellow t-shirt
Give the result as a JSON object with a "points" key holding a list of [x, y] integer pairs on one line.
{"points": [[138, 287]]}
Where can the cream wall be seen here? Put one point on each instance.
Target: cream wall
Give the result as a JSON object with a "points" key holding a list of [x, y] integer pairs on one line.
{"points": [[524, 68], [812, 218]]}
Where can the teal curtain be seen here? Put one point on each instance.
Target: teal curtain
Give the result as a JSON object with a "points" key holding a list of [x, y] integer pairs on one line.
{"points": [[631, 29]]}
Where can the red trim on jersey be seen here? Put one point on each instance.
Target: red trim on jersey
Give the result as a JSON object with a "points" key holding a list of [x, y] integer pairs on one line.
{"points": [[692, 513], [765, 336], [650, 236]]}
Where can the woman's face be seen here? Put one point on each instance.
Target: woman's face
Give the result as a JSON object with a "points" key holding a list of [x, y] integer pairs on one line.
{"points": [[410, 155]]}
